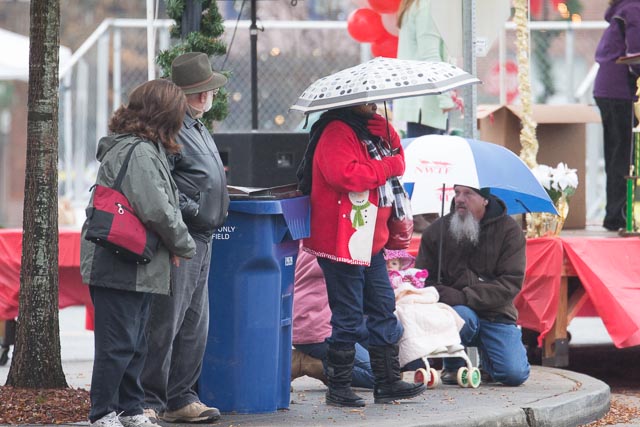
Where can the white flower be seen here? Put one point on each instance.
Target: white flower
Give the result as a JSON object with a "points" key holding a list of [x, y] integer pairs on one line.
{"points": [[544, 175], [560, 182], [564, 178]]}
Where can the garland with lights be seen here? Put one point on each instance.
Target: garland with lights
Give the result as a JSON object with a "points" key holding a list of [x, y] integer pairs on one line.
{"points": [[206, 40], [541, 223], [528, 139]]}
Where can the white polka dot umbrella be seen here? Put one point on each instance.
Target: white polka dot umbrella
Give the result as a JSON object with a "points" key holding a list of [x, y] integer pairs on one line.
{"points": [[381, 79]]}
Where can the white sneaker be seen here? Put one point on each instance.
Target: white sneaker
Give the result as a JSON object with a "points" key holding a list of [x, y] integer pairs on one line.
{"points": [[109, 420], [139, 420]]}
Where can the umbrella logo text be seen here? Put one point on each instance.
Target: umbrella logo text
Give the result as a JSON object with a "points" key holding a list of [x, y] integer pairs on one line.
{"points": [[429, 167]]}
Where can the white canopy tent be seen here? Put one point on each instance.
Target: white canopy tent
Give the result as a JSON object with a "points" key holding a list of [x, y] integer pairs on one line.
{"points": [[14, 56], [14, 68]]}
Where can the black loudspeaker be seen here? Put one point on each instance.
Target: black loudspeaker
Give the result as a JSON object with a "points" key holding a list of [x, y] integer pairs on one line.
{"points": [[261, 159]]}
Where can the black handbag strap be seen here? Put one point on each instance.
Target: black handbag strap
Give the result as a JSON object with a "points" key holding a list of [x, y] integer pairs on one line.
{"points": [[123, 169]]}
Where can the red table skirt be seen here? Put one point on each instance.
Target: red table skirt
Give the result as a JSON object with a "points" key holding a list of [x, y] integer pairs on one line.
{"points": [[71, 289], [608, 270]]}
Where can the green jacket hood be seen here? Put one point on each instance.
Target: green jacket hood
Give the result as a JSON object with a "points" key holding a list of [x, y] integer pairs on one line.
{"points": [[106, 143]]}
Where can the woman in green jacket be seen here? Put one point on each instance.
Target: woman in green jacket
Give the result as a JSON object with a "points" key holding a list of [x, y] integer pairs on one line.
{"points": [[121, 290]]}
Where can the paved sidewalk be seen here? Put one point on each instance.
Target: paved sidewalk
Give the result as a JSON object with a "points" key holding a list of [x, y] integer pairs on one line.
{"points": [[551, 397]]}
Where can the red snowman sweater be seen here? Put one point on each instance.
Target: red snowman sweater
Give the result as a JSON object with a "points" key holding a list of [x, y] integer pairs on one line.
{"points": [[346, 223]]}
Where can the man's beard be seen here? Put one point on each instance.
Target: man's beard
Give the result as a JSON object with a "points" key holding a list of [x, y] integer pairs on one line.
{"points": [[465, 227]]}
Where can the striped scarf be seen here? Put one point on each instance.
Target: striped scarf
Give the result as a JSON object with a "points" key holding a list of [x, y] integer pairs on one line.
{"points": [[392, 192]]}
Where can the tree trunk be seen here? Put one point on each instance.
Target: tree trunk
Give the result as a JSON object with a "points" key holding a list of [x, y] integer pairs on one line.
{"points": [[36, 357]]}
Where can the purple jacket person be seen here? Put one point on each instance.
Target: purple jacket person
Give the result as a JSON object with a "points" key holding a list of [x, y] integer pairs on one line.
{"points": [[614, 90]]}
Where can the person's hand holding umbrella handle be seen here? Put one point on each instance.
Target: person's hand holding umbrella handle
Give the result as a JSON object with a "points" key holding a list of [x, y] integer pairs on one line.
{"points": [[379, 126]]}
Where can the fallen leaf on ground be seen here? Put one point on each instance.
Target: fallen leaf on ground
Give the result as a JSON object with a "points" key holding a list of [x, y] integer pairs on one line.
{"points": [[43, 406]]}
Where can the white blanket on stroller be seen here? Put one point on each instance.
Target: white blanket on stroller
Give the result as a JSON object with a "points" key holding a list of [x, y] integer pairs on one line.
{"points": [[428, 324]]}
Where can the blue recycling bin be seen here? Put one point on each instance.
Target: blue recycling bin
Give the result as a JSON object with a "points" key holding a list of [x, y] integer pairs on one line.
{"points": [[247, 362]]}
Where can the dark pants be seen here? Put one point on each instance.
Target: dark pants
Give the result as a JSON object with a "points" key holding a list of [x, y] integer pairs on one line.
{"points": [[355, 291], [120, 351], [617, 121], [177, 333], [416, 129]]}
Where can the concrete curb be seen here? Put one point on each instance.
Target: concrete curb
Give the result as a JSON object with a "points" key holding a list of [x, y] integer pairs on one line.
{"points": [[551, 397], [589, 402]]}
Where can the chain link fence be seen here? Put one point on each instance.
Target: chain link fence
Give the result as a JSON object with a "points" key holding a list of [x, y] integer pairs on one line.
{"points": [[290, 56]]}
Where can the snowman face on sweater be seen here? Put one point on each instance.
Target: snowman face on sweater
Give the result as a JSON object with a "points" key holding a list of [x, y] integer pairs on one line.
{"points": [[359, 199], [363, 220]]}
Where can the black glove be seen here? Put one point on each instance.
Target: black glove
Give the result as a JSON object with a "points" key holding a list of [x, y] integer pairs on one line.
{"points": [[451, 296]]}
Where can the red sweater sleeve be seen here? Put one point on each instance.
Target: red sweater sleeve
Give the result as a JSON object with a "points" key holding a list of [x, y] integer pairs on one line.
{"points": [[345, 164]]}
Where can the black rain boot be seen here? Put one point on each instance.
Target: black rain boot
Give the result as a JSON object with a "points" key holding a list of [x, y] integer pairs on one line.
{"points": [[386, 369], [339, 369]]}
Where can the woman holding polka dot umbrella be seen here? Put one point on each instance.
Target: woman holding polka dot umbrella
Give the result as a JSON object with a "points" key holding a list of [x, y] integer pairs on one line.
{"points": [[350, 170]]}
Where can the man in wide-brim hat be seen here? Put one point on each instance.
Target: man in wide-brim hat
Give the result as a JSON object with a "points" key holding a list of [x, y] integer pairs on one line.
{"points": [[178, 325]]}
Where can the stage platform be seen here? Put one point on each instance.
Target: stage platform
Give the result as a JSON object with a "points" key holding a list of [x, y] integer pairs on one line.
{"points": [[590, 272], [586, 272]]}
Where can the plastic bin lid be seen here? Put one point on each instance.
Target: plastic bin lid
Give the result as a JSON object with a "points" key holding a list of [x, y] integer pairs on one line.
{"points": [[295, 210], [271, 193]]}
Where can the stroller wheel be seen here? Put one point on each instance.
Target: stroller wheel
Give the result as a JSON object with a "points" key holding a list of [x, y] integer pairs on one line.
{"points": [[463, 377], [475, 378], [434, 380], [420, 376]]}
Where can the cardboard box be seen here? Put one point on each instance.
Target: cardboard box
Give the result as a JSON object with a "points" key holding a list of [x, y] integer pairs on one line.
{"points": [[561, 134]]}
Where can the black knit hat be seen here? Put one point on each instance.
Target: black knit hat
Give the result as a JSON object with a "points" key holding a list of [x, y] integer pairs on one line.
{"points": [[484, 192]]}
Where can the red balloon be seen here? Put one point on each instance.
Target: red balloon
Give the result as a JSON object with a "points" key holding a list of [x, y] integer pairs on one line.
{"points": [[365, 25], [384, 6], [386, 46], [536, 6]]}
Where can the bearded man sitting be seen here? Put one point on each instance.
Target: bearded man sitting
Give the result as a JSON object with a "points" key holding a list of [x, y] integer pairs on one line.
{"points": [[482, 266]]}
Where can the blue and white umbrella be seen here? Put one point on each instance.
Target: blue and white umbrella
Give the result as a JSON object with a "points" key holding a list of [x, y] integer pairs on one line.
{"points": [[434, 160]]}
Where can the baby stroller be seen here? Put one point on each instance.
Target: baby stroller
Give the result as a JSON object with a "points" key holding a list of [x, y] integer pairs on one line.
{"points": [[468, 376], [431, 329]]}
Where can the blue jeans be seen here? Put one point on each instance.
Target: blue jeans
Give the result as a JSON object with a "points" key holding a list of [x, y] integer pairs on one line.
{"points": [[120, 351], [357, 291], [502, 354], [362, 375]]}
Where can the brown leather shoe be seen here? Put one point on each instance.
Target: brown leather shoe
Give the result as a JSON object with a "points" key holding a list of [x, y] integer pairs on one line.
{"points": [[151, 414], [195, 412], [296, 364], [303, 364]]}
